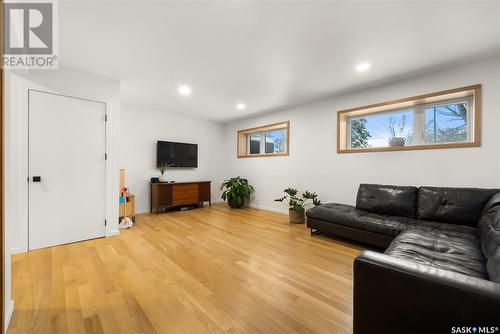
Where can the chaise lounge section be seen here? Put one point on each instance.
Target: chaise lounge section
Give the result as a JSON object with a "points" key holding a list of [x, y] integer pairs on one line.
{"points": [[441, 265]]}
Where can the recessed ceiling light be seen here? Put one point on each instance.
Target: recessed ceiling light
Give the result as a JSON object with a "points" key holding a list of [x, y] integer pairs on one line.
{"points": [[184, 90], [361, 67], [240, 106]]}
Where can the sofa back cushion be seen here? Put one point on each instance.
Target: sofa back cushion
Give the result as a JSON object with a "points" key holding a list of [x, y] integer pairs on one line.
{"points": [[387, 199], [488, 230], [488, 227], [462, 206], [493, 267]]}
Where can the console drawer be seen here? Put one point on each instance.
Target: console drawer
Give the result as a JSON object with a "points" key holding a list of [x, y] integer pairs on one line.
{"points": [[183, 194]]}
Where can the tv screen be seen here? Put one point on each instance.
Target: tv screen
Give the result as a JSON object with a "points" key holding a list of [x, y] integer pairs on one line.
{"points": [[176, 154]]}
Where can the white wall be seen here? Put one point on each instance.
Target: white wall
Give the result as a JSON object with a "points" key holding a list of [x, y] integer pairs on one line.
{"points": [[314, 165], [142, 127], [8, 242]]}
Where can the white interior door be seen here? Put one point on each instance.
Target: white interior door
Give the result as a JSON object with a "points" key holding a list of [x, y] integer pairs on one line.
{"points": [[67, 140]]}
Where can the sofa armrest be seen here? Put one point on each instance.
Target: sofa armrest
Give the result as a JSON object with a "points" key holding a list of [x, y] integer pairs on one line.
{"points": [[393, 295]]}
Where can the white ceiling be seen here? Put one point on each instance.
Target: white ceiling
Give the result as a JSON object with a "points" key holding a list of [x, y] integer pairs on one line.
{"points": [[268, 55]]}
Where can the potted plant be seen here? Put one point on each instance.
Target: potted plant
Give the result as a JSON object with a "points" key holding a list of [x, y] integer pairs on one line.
{"points": [[163, 169], [235, 191], [296, 205]]}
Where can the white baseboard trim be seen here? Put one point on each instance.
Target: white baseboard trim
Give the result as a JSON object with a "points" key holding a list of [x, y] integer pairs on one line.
{"points": [[15, 250], [8, 314], [112, 233], [285, 212]]}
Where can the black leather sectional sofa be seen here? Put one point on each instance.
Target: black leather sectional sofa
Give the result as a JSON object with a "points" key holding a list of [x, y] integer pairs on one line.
{"points": [[440, 272]]}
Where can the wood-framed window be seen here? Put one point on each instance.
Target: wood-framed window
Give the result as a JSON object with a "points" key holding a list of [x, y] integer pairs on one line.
{"points": [[446, 119], [264, 141]]}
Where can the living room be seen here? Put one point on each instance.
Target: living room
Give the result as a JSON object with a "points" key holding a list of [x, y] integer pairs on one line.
{"points": [[261, 167]]}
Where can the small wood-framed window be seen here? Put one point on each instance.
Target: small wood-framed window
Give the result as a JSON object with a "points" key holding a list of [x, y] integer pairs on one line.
{"points": [[264, 141], [446, 119]]}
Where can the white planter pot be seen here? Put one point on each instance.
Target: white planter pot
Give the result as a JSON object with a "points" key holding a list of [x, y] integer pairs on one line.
{"points": [[397, 142], [163, 178]]}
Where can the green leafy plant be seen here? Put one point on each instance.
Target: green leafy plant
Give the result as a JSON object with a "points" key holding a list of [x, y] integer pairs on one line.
{"points": [[298, 203], [163, 168], [235, 191]]}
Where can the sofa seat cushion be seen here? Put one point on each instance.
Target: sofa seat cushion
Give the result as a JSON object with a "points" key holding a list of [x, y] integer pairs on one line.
{"points": [[461, 254], [347, 215]]}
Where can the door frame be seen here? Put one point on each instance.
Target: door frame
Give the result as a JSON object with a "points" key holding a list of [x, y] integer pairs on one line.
{"points": [[106, 161]]}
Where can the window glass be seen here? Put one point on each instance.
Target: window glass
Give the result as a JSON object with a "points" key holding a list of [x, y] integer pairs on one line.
{"points": [[447, 119], [446, 123], [382, 130], [254, 147], [264, 141], [276, 141]]}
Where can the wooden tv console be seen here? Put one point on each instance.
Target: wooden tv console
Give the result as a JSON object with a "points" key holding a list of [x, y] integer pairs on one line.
{"points": [[165, 195]]}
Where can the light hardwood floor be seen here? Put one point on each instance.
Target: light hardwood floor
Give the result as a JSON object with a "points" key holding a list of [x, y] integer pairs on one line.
{"points": [[209, 270]]}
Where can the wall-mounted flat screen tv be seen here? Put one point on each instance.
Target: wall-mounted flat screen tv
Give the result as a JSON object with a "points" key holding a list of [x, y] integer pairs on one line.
{"points": [[176, 154]]}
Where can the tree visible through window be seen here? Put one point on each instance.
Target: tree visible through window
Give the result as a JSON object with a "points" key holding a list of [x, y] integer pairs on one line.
{"points": [[276, 141], [359, 133], [446, 123]]}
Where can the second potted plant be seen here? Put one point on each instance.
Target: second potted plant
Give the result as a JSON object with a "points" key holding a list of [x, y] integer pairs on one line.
{"points": [[296, 205], [235, 191]]}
